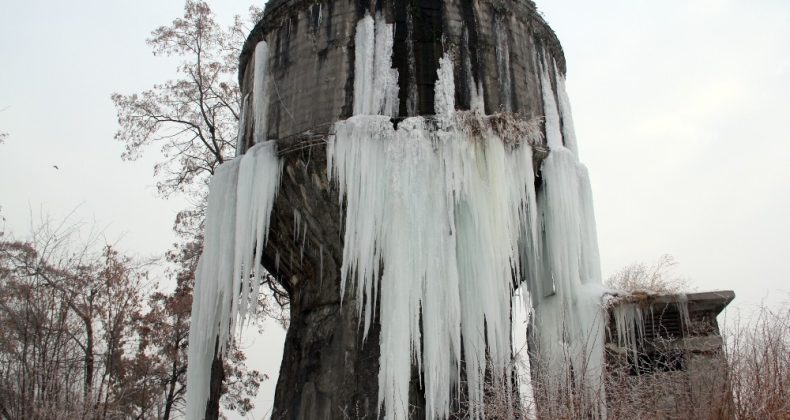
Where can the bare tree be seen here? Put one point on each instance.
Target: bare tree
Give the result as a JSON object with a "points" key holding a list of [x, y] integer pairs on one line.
{"points": [[193, 118], [758, 355], [76, 340], [164, 334], [71, 310]]}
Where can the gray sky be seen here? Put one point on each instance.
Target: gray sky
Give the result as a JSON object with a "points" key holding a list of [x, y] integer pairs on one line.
{"points": [[679, 109]]}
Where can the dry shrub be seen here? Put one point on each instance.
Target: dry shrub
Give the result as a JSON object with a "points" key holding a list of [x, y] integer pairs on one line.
{"points": [[512, 128], [758, 354], [663, 391], [744, 375], [541, 394], [562, 397], [655, 278]]}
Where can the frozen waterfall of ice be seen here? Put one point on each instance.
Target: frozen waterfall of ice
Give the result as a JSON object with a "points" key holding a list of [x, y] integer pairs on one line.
{"points": [[241, 196], [444, 212], [242, 123], [260, 99], [565, 288], [375, 81], [443, 222]]}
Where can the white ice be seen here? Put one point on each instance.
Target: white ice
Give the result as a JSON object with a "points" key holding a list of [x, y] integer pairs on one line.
{"points": [[566, 291], [240, 144], [444, 221], [241, 196], [375, 81], [260, 98], [444, 212], [630, 317]]}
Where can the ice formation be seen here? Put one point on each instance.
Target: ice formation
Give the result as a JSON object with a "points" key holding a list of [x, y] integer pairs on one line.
{"points": [[565, 287], [242, 123], [375, 81], [443, 212], [442, 221], [260, 101], [241, 196], [630, 315]]}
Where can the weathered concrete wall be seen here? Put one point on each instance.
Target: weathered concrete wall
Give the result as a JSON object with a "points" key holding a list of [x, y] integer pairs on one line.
{"points": [[327, 370], [312, 56]]}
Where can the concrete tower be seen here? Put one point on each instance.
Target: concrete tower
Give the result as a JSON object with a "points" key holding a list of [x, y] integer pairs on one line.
{"points": [[498, 48]]}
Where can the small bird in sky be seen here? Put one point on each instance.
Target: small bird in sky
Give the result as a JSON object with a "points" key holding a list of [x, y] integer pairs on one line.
{"points": [[56, 167]]}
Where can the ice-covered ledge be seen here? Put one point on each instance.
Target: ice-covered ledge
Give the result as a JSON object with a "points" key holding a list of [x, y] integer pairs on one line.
{"points": [[314, 141], [640, 319]]}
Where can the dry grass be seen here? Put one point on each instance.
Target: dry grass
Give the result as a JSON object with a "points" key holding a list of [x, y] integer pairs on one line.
{"points": [[512, 128], [758, 355], [655, 278], [748, 378]]}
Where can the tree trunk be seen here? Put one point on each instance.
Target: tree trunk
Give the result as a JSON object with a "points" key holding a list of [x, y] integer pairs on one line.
{"points": [[171, 390], [4, 412], [89, 362], [215, 385]]}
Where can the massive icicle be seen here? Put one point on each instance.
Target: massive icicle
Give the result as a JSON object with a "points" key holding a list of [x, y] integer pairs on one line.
{"points": [[241, 196], [452, 216], [260, 98], [375, 82], [566, 290], [240, 136], [444, 210]]}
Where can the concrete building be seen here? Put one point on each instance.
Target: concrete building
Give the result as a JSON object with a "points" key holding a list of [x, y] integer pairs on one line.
{"points": [[665, 356]]}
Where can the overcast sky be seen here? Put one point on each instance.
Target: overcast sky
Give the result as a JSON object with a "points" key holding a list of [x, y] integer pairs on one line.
{"points": [[681, 111]]}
